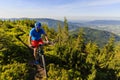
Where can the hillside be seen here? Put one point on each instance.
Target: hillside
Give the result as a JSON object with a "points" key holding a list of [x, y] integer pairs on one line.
{"points": [[70, 58], [98, 36]]}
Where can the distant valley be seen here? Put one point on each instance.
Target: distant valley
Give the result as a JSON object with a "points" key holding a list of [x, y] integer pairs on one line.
{"points": [[106, 25]]}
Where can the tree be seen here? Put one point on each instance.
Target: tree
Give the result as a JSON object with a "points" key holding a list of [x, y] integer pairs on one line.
{"points": [[79, 44], [65, 33], [59, 34]]}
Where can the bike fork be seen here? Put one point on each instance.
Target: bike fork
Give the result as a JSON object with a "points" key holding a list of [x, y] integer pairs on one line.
{"points": [[43, 61]]}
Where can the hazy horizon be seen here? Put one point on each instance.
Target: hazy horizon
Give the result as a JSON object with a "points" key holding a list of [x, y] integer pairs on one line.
{"points": [[87, 18]]}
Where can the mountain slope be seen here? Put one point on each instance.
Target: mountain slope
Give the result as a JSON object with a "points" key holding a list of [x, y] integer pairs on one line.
{"points": [[98, 36]]}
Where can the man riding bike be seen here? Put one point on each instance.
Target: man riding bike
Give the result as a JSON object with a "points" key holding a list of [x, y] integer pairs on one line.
{"points": [[35, 38]]}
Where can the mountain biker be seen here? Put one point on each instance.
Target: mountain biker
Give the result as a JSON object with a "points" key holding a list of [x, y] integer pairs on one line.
{"points": [[35, 38]]}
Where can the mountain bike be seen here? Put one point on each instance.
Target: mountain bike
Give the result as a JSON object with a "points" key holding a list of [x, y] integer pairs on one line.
{"points": [[41, 57]]}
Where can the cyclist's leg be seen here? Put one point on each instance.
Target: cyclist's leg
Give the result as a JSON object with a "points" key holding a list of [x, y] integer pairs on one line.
{"points": [[35, 45], [35, 53]]}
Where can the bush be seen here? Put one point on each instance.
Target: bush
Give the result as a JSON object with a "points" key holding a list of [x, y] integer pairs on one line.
{"points": [[15, 71]]}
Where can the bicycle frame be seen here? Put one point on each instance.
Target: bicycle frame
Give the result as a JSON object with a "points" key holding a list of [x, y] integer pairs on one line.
{"points": [[40, 53]]}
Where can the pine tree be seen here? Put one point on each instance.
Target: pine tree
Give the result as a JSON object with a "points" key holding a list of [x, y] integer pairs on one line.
{"points": [[59, 35], [79, 44], [65, 32], [107, 54]]}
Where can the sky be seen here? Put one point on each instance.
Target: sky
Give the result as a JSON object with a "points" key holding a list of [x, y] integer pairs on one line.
{"points": [[58, 9]]}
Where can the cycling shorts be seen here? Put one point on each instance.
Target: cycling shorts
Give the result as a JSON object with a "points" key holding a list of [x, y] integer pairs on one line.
{"points": [[35, 43]]}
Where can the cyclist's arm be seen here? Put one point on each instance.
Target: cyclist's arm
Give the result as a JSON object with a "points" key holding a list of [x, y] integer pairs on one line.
{"points": [[46, 38]]}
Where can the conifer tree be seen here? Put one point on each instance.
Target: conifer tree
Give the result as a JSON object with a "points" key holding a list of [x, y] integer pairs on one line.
{"points": [[65, 32], [107, 53], [80, 41], [59, 35]]}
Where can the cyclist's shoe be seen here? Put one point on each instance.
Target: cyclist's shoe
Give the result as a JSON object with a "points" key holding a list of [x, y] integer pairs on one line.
{"points": [[36, 62]]}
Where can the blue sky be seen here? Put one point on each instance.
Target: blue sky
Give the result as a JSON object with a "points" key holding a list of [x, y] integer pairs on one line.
{"points": [[58, 9]]}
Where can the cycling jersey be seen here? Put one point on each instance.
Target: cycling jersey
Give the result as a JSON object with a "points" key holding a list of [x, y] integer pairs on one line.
{"points": [[36, 35]]}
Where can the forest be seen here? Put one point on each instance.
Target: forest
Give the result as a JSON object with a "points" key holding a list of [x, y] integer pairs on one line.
{"points": [[70, 58]]}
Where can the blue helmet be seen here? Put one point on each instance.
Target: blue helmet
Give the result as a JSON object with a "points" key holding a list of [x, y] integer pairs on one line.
{"points": [[37, 25]]}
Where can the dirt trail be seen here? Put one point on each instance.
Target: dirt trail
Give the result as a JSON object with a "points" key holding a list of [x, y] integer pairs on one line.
{"points": [[37, 72], [40, 74]]}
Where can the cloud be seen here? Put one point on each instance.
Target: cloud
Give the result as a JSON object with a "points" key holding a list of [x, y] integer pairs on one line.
{"points": [[103, 2], [89, 3]]}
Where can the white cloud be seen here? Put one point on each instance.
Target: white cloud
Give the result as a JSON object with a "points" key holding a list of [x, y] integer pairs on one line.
{"points": [[88, 3], [103, 2]]}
